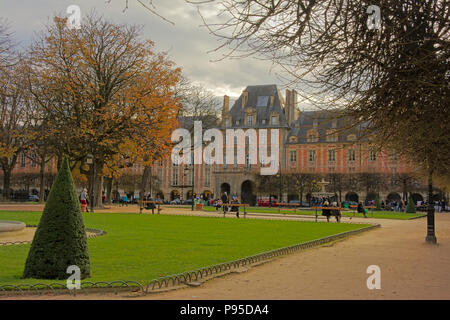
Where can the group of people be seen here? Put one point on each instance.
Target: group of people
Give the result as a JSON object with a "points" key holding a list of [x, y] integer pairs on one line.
{"points": [[221, 204], [330, 212]]}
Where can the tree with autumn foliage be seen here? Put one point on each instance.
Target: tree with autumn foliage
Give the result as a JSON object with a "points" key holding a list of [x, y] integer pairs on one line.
{"points": [[15, 118], [106, 94]]}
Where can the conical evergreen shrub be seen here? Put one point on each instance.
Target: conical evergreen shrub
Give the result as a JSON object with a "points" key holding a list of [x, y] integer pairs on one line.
{"points": [[60, 239], [411, 207], [377, 203]]}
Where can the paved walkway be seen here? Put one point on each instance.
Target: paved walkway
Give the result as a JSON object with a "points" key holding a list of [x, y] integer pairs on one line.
{"points": [[410, 269]]}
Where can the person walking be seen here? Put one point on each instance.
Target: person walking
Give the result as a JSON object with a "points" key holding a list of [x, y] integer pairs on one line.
{"points": [[125, 200], [224, 202], [84, 201]]}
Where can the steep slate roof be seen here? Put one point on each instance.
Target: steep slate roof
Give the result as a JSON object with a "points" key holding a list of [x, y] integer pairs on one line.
{"points": [[187, 122], [305, 122], [262, 112]]}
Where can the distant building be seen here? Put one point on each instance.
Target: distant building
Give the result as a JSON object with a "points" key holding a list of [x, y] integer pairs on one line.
{"points": [[310, 142]]}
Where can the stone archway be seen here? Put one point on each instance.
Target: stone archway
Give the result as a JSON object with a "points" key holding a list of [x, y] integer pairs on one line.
{"points": [[174, 194], [394, 196], [371, 196], [417, 197], [225, 187], [207, 194], [248, 192], [352, 196]]}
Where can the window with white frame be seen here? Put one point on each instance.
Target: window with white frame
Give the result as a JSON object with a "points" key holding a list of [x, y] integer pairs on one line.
{"points": [[312, 155], [332, 155], [207, 176], [293, 156], [372, 155], [175, 175], [351, 155]]}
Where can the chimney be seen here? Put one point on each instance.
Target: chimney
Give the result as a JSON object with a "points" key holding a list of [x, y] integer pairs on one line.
{"points": [[272, 99], [287, 107], [226, 104], [295, 109], [244, 98]]}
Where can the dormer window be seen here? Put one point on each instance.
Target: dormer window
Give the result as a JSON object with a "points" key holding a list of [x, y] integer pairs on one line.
{"points": [[331, 136], [250, 120], [274, 120], [312, 136]]}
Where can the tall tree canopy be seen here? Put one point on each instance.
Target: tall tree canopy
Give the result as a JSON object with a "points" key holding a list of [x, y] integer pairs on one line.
{"points": [[104, 91], [392, 75]]}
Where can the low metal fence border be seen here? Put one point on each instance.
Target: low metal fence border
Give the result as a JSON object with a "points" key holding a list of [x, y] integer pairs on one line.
{"points": [[176, 280]]}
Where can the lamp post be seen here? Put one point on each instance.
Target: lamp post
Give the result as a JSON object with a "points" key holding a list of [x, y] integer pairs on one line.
{"points": [[431, 236], [91, 161], [193, 183], [279, 195]]}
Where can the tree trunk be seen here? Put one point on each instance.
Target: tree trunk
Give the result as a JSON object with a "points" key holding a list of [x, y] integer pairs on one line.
{"points": [[98, 191], [41, 180], [6, 184], [144, 181], [109, 182]]}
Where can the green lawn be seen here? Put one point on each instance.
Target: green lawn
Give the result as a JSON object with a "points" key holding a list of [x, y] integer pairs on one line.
{"points": [[376, 214], [144, 247]]}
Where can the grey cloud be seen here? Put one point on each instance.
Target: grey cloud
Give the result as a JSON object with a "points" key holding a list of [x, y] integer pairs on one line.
{"points": [[186, 42]]}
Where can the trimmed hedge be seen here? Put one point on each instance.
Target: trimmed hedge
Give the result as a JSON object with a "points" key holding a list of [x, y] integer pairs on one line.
{"points": [[60, 239], [411, 207]]}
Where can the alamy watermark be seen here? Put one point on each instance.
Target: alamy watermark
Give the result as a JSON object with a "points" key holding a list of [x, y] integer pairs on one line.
{"points": [[73, 282], [213, 153], [74, 18], [374, 18], [374, 281]]}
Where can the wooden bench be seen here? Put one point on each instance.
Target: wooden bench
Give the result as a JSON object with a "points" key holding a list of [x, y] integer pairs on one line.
{"points": [[244, 205], [143, 202], [338, 209]]}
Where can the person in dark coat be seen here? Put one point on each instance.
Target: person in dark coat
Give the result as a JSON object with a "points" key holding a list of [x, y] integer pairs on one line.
{"points": [[361, 209], [224, 199], [235, 208], [326, 212]]}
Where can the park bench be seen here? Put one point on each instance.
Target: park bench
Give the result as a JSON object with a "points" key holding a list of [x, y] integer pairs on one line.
{"points": [[226, 205], [143, 202], [334, 211]]}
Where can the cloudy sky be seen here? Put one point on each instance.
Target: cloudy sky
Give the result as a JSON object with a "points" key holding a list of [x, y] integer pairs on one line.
{"points": [[187, 41]]}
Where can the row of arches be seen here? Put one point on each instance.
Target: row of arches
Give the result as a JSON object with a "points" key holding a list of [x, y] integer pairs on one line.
{"points": [[248, 194], [393, 196]]}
